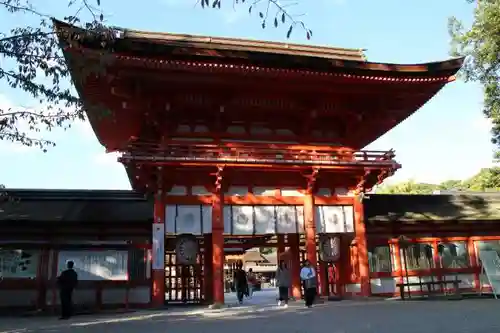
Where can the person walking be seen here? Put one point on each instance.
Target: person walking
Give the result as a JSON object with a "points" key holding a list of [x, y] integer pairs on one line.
{"points": [[67, 282], [308, 277], [252, 281], [240, 282], [283, 281]]}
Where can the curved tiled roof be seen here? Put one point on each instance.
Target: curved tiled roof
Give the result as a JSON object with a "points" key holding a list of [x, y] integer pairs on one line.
{"points": [[86, 206], [158, 48]]}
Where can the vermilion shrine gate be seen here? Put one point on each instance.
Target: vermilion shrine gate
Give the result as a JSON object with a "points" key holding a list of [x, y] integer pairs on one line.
{"points": [[244, 143]]}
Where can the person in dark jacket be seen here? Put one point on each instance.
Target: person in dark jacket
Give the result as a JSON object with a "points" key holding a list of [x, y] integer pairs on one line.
{"points": [[67, 282], [284, 281], [240, 282]]}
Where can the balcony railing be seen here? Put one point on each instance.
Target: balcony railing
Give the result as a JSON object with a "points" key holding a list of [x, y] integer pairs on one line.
{"points": [[258, 154]]}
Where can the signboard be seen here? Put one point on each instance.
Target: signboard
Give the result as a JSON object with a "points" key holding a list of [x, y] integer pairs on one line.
{"points": [[330, 248], [18, 263], [490, 262], [158, 246], [96, 265], [334, 219], [188, 219], [186, 249], [263, 220]]}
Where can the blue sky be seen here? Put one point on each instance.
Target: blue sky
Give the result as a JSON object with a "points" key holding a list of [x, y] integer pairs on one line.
{"points": [[446, 139]]}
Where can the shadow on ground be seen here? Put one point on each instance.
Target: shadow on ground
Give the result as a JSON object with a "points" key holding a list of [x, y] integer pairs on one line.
{"points": [[471, 316]]}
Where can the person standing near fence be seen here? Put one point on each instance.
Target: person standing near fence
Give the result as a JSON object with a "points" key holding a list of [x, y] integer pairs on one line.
{"points": [[67, 282], [283, 281], [308, 277]]}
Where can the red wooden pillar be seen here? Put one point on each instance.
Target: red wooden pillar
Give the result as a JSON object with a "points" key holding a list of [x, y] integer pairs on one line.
{"points": [[474, 263], [218, 248], [158, 253], [437, 262], [207, 269], [294, 251], [42, 277], [323, 278], [362, 247], [281, 246], [310, 226], [398, 262]]}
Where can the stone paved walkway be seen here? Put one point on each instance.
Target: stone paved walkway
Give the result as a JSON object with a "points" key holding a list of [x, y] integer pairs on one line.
{"points": [[467, 316]]}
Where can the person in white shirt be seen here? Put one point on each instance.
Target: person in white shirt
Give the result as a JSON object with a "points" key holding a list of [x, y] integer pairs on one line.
{"points": [[308, 277]]}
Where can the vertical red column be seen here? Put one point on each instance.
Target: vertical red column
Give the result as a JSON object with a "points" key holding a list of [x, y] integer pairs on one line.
{"points": [[471, 248], [207, 269], [399, 262], [281, 246], [310, 226], [362, 247], [323, 278], [218, 248], [158, 252], [294, 244]]}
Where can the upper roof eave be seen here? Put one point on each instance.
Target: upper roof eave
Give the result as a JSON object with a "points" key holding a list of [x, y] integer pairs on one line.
{"points": [[70, 194], [234, 44], [318, 57], [237, 44]]}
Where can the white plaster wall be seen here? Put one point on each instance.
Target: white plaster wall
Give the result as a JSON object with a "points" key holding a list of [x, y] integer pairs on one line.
{"points": [[418, 279], [138, 295], [80, 296], [353, 288], [384, 285], [11, 298], [114, 296], [467, 280]]}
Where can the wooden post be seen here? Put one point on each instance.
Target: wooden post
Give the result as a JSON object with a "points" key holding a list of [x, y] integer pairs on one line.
{"points": [[158, 253], [362, 247], [310, 226], [218, 248], [281, 246], [398, 261], [473, 261], [42, 277], [207, 269], [294, 250], [323, 278]]}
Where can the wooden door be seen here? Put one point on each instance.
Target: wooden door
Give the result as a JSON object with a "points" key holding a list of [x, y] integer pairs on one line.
{"points": [[184, 283]]}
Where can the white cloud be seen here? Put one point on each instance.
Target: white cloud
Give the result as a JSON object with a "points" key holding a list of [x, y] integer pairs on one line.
{"points": [[7, 146], [107, 159], [85, 129], [177, 3], [335, 2], [482, 123], [233, 15]]}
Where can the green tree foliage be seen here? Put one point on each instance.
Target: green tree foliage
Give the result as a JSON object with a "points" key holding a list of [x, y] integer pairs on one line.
{"points": [[266, 250], [488, 179], [271, 13], [31, 61], [409, 187], [480, 43]]}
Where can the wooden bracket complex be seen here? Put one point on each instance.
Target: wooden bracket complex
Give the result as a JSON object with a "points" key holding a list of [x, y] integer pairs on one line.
{"points": [[218, 178], [311, 180], [159, 181], [382, 175], [361, 187]]}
